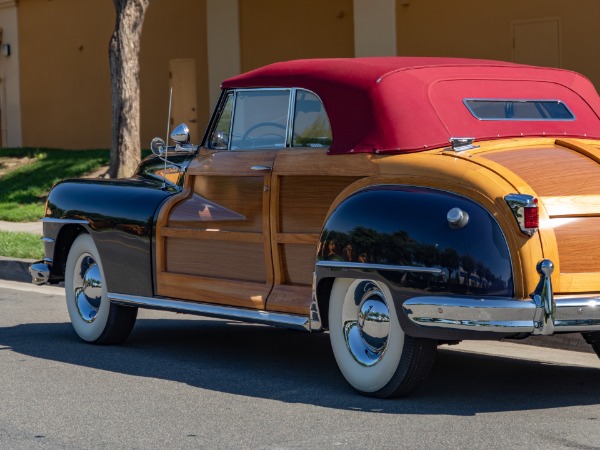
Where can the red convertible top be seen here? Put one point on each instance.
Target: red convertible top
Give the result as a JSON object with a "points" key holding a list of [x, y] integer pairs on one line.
{"points": [[407, 104]]}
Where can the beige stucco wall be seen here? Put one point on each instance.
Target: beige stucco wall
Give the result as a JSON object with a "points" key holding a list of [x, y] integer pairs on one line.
{"points": [[276, 30], [65, 79], [173, 29], [65, 86], [10, 104], [483, 29]]}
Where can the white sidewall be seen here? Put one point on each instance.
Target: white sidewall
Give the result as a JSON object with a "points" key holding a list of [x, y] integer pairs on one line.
{"points": [[84, 244], [362, 378]]}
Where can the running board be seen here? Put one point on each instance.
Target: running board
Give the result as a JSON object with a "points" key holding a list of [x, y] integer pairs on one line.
{"points": [[220, 312]]}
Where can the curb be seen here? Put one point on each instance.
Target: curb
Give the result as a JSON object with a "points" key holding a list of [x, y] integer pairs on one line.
{"points": [[12, 269]]}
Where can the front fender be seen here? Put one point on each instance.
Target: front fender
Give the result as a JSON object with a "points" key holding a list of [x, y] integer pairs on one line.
{"points": [[119, 215], [401, 234]]}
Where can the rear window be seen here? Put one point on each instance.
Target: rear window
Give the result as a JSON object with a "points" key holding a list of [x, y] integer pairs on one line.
{"points": [[517, 109]]}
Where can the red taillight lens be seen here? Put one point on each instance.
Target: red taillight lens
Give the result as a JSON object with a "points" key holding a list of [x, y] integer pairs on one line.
{"points": [[525, 209], [532, 218]]}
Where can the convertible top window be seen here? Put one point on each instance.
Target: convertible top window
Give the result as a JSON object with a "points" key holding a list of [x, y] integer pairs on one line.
{"points": [[260, 119], [516, 109]]}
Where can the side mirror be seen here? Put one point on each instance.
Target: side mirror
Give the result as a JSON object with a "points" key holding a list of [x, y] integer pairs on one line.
{"points": [[181, 134], [158, 146]]}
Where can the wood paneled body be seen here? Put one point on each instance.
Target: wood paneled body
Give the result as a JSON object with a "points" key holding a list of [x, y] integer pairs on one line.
{"points": [[218, 233], [565, 176], [305, 184], [238, 226]]}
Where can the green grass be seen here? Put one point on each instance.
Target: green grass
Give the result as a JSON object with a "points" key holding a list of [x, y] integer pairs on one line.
{"points": [[21, 245], [23, 191]]}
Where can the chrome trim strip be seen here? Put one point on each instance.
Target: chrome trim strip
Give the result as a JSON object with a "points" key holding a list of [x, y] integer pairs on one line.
{"points": [[503, 315], [222, 312], [367, 266], [53, 220], [47, 240], [47, 260]]}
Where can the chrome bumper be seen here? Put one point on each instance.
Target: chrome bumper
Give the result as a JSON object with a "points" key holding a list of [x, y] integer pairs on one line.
{"points": [[544, 314], [40, 272], [505, 315]]}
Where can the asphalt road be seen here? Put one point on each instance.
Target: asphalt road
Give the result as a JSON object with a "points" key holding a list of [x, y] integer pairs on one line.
{"points": [[188, 382]]}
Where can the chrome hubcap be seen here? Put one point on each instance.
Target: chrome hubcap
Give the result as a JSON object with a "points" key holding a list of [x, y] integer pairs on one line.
{"points": [[367, 324], [87, 287]]}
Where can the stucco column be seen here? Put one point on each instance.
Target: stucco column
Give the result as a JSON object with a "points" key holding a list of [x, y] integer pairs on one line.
{"points": [[374, 27], [223, 37], [10, 99]]}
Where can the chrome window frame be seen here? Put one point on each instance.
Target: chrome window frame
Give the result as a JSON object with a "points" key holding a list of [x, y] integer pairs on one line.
{"points": [[291, 114], [519, 100]]}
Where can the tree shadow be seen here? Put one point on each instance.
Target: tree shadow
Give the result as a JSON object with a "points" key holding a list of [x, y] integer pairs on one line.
{"points": [[294, 367]]}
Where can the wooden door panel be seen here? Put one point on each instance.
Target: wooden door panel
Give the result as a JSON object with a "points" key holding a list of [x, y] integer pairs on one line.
{"points": [[214, 244], [304, 185]]}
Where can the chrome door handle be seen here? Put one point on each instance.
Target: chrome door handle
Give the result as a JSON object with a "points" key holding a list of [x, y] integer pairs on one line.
{"points": [[261, 168]]}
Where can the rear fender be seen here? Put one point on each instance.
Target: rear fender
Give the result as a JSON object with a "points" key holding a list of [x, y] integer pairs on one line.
{"points": [[402, 235]]}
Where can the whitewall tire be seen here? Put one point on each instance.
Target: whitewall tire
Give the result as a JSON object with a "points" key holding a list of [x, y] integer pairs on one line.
{"points": [[373, 353], [93, 316]]}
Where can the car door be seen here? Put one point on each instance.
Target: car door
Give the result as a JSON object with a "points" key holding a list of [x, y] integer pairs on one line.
{"points": [[213, 239], [305, 182]]}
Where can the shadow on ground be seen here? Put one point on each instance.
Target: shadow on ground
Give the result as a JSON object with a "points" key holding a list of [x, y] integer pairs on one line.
{"points": [[296, 367]]}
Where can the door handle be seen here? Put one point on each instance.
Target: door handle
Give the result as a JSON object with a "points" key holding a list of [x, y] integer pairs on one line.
{"points": [[261, 168]]}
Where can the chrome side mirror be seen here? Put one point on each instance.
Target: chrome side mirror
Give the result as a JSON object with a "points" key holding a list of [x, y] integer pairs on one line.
{"points": [[158, 146], [181, 134]]}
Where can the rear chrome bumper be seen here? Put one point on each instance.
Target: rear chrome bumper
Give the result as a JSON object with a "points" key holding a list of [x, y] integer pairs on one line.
{"points": [[544, 314], [505, 315]]}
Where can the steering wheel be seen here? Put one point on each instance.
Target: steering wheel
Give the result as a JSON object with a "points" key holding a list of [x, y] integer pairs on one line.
{"points": [[260, 125]]}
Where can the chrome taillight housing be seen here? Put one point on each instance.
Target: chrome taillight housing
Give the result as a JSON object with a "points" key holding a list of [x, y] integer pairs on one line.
{"points": [[525, 209]]}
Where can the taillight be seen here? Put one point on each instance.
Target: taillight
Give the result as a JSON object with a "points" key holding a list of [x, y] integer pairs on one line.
{"points": [[525, 209]]}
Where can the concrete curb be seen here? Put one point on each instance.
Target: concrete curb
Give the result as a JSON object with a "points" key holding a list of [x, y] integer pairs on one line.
{"points": [[18, 270]]}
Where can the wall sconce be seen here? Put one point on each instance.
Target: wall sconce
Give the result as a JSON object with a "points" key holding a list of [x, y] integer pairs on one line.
{"points": [[5, 49]]}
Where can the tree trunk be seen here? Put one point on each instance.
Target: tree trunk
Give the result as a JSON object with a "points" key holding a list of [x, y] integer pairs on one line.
{"points": [[124, 50]]}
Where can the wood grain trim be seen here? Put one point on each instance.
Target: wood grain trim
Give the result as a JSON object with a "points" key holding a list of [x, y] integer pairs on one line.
{"points": [[290, 299], [578, 243], [580, 147], [161, 222], [572, 205], [191, 233], [278, 273], [297, 238], [316, 162], [572, 283], [210, 290], [266, 230]]}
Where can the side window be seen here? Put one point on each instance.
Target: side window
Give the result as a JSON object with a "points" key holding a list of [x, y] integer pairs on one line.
{"points": [[311, 124], [260, 119], [219, 138]]}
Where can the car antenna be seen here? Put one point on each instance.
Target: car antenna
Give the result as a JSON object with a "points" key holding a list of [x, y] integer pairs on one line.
{"points": [[164, 185]]}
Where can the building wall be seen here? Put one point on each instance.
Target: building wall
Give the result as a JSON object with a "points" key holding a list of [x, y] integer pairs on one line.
{"points": [[64, 68], [65, 85], [484, 29], [279, 30], [173, 29], [10, 112]]}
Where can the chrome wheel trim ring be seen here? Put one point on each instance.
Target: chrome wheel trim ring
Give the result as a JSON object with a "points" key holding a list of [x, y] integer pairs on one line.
{"points": [[366, 323], [87, 287]]}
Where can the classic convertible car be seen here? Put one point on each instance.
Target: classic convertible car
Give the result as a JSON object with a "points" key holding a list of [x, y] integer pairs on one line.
{"points": [[398, 203]]}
